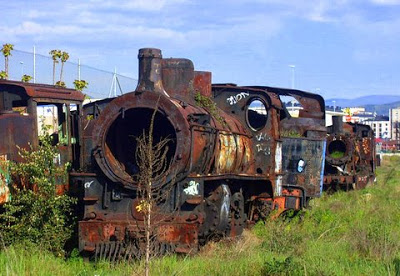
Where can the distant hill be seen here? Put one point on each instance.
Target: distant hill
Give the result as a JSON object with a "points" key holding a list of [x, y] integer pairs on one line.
{"points": [[381, 109], [373, 103], [363, 101]]}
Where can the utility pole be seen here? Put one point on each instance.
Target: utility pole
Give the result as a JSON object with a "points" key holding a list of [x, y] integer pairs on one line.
{"points": [[292, 66], [34, 64], [22, 67], [79, 69]]}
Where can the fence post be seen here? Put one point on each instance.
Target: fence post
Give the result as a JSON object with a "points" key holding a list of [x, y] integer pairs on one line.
{"points": [[79, 69]]}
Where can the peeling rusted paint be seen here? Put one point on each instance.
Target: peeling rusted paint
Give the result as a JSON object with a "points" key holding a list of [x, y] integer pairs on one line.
{"points": [[19, 124], [238, 168], [350, 156]]}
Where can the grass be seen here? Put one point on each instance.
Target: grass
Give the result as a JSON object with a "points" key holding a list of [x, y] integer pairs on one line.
{"points": [[337, 154], [353, 233]]}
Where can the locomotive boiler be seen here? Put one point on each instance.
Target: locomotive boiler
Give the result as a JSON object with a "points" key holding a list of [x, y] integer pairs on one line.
{"points": [[350, 157], [234, 155]]}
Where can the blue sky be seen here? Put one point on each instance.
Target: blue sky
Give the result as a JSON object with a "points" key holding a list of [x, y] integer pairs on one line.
{"points": [[339, 48]]}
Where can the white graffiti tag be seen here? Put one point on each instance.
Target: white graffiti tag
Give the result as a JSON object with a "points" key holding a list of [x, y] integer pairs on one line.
{"points": [[261, 136], [192, 188], [87, 184], [263, 148], [235, 99]]}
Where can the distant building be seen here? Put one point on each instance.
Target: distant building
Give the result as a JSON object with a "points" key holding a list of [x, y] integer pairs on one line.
{"points": [[356, 110], [394, 118], [357, 114], [381, 127]]}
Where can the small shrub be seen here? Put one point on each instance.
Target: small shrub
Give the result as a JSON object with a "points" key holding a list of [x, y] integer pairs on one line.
{"points": [[281, 267], [36, 212], [208, 104], [3, 75], [26, 78], [61, 84]]}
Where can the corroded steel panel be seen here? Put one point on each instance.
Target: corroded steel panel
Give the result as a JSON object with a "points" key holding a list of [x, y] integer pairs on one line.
{"points": [[350, 156], [302, 164], [16, 130], [43, 91]]}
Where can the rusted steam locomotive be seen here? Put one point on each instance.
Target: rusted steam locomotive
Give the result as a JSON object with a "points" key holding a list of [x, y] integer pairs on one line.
{"points": [[350, 156], [22, 107], [229, 165]]}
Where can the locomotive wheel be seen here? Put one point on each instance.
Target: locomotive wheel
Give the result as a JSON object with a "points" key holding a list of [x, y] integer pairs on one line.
{"points": [[217, 210], [238, 217]]}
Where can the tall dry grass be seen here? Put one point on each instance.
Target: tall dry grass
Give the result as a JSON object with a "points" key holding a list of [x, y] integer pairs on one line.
{"points": [[354, 233]]}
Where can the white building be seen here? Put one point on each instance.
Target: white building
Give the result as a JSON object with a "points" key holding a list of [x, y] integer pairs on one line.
{"points": [[394, 118], [381, 129]]}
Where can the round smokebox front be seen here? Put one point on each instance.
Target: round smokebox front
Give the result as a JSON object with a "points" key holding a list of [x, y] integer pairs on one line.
{"points": [[128, 118], [339, 149]]}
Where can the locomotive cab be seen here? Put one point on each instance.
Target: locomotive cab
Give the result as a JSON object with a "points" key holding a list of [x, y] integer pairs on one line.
{"points": [[26, 110]]}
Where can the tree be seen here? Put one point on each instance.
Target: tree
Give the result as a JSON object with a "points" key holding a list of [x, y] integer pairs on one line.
{"points": [[3, 75], [61, 84], [152, 161], [6, 50], [80, 84], [55, 55], [26, 78], [64, 57]]}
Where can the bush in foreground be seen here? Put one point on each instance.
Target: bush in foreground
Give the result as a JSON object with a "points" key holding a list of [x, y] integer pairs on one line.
{"points": [[37, 214]]}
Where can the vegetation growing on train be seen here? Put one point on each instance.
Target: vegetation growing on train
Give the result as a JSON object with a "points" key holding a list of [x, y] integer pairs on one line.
{"points": [[337, 154], [208, 104]]}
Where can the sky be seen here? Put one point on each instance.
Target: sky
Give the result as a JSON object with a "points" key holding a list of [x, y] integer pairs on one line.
{"points": [[339, 48]]}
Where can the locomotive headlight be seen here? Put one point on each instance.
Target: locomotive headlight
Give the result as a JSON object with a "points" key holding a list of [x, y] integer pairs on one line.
{"points": [[301, 165]]}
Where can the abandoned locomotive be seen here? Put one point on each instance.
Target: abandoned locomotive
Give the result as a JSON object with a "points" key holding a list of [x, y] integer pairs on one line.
{"points": [[229, 165], [350, 157], [233, 154]]}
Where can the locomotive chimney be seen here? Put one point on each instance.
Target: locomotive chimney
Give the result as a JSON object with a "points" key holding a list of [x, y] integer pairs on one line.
{"points": [[150, 71], [337, 124]]}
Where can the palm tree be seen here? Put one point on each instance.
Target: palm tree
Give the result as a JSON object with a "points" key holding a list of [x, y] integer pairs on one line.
{"points": [[26, 78], [6, 50], [55, 54], [64, 57], [80, 84]]}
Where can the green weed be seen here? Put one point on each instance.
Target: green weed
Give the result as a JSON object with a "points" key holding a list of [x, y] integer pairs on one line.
{"points": [[347, 233]]}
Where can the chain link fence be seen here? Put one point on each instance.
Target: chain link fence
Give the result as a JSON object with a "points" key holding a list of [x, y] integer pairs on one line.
{"points": [[102, 84]]}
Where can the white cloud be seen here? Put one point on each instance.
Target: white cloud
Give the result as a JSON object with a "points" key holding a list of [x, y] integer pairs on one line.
{"points": [[386, 2], [32, 14], [32, 28], [140, 5]]}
